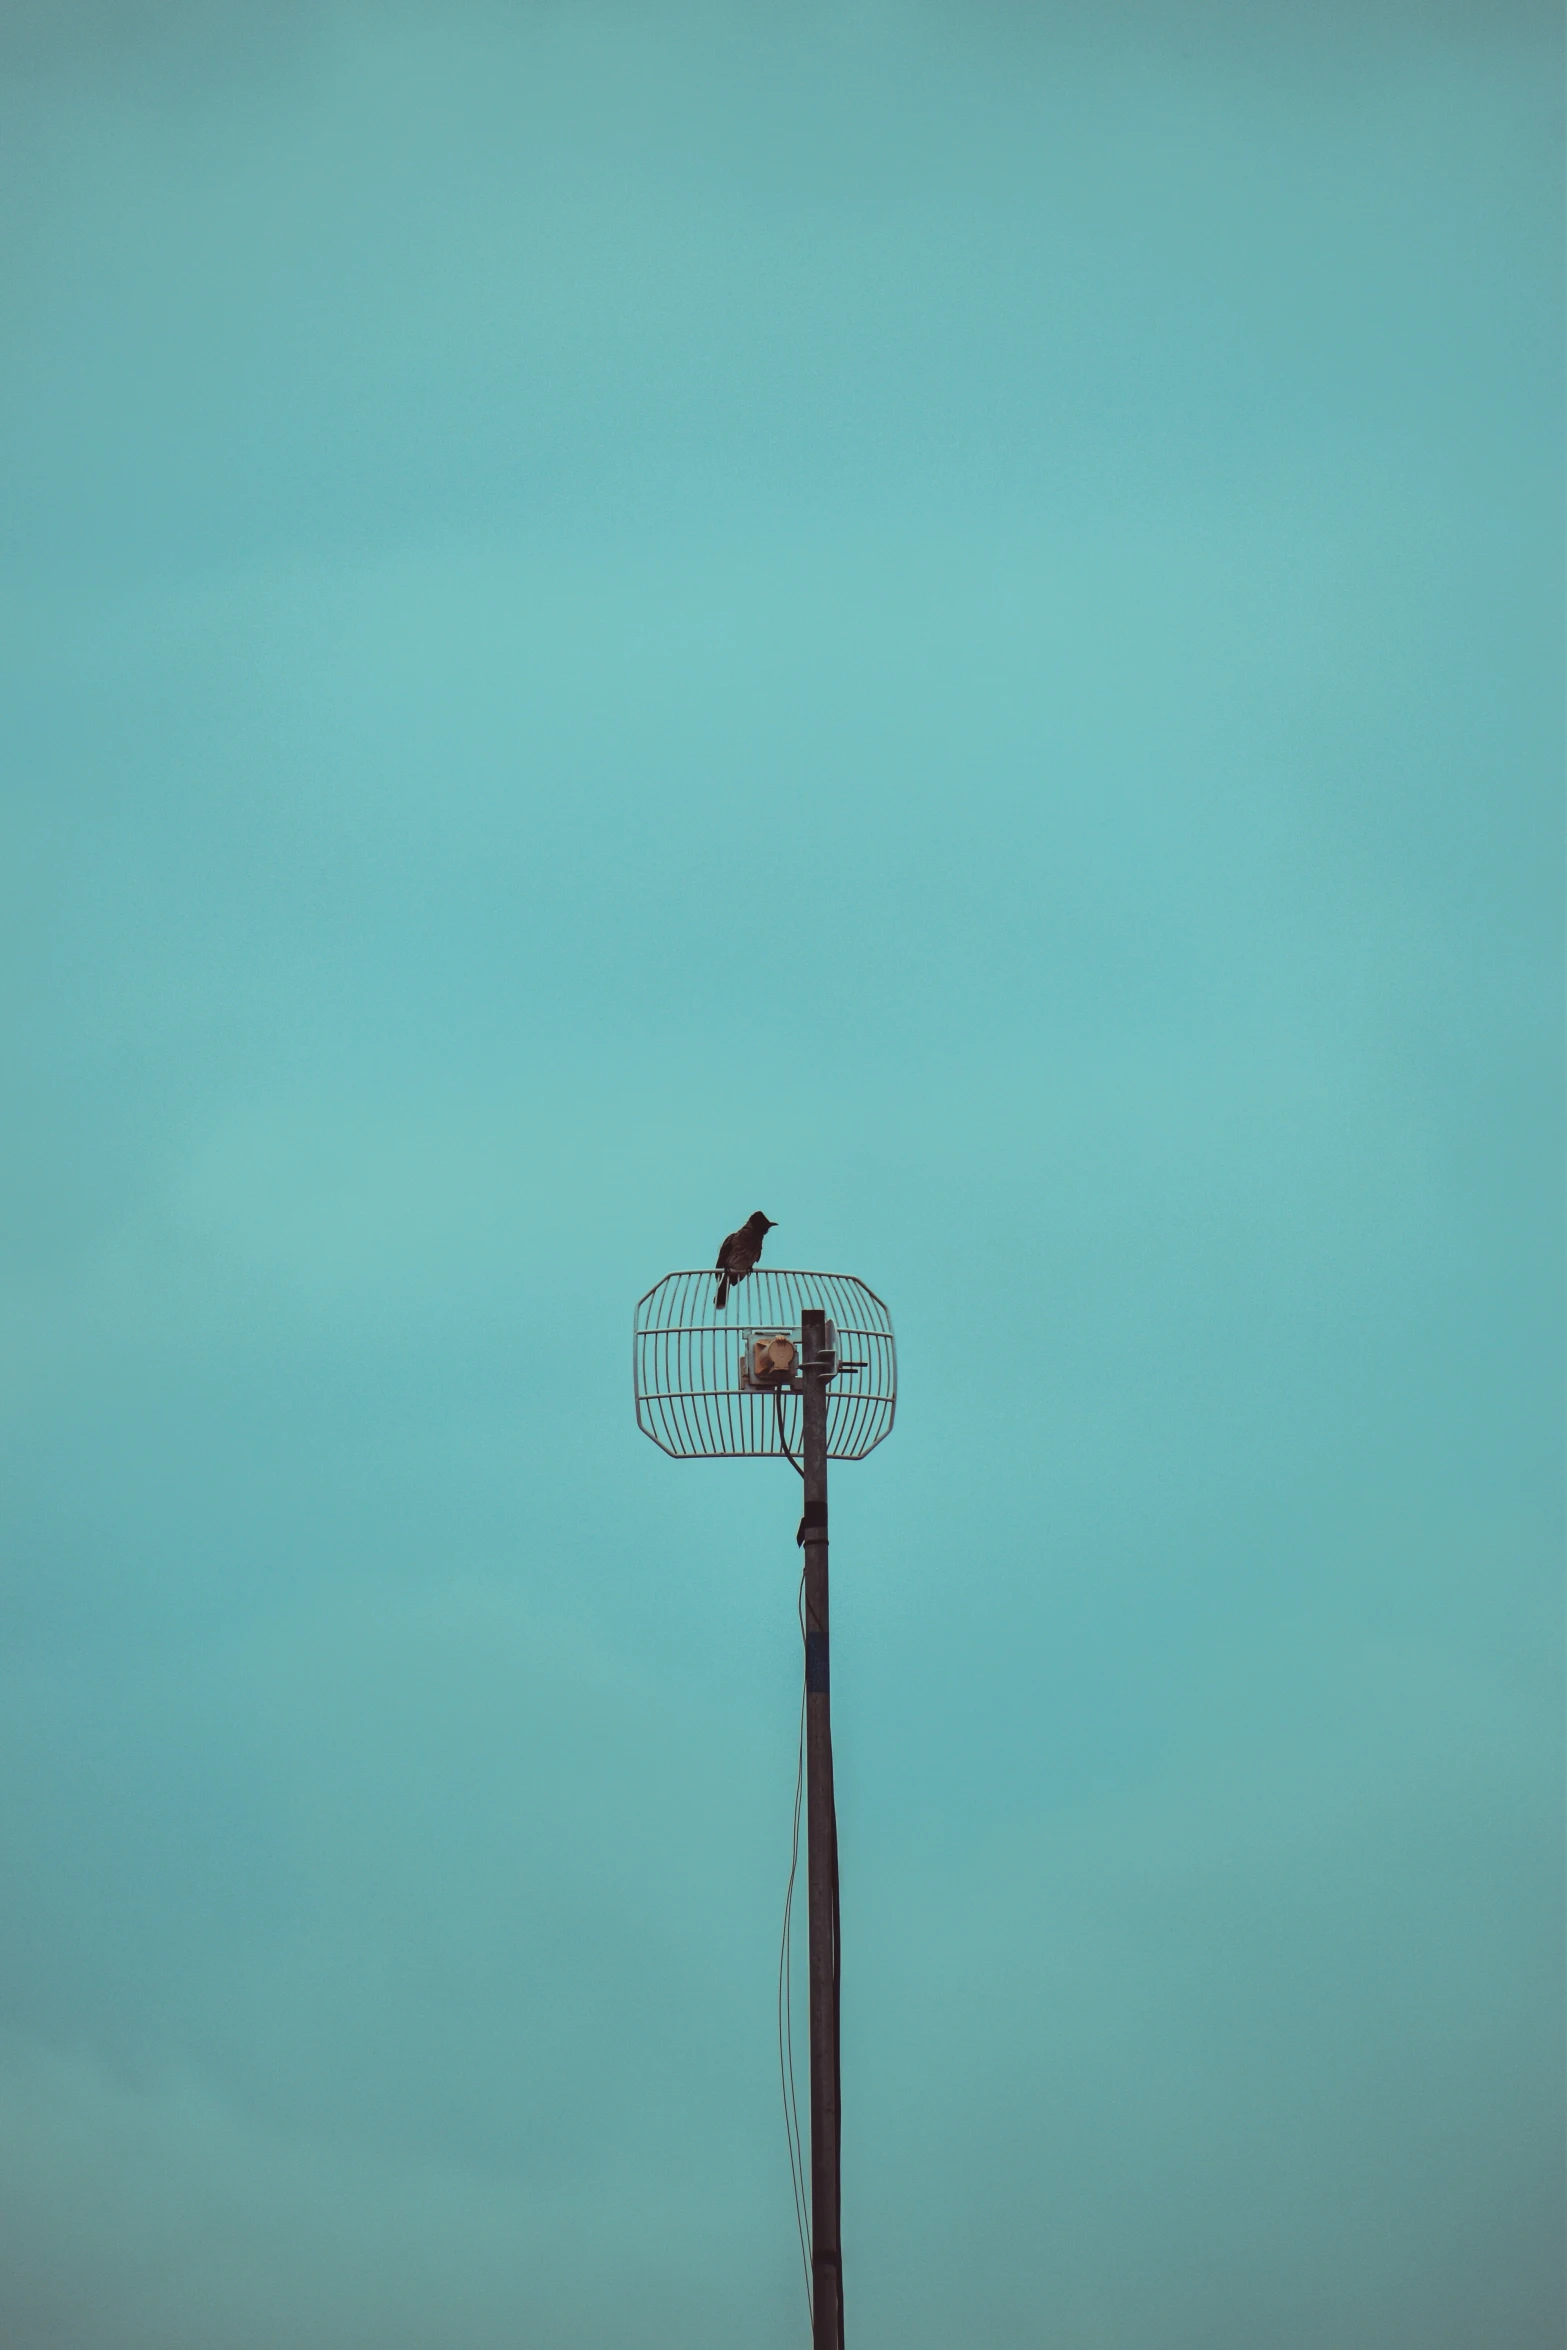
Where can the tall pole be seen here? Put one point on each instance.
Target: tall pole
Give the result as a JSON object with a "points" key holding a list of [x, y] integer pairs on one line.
{"points": [[822, 1860]]}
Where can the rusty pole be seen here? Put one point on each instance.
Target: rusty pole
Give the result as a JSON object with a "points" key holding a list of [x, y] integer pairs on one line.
{"points": [[822, 1861]]}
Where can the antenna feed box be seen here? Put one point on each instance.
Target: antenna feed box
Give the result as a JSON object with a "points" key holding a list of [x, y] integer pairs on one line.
{"points": [[770, 1359]]}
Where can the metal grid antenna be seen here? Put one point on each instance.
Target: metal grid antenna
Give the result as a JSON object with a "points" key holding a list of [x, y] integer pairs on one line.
{"points": [[690, 1362]]}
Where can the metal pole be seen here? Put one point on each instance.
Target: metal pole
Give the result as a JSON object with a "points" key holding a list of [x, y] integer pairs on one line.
{"points": [[822, 1862]]}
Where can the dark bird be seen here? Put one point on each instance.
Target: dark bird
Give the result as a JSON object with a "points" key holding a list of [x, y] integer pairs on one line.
{"points": [[739, 1253]]}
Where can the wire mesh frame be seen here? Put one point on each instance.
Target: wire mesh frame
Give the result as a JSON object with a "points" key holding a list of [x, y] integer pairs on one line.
{"points": [[686, 1361]]}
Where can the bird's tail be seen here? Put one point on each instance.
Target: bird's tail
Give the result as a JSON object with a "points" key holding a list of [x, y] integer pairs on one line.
{"points": [[722, 1299]]}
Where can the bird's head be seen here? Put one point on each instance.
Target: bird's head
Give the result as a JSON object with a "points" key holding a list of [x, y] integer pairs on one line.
{"points": [[761, 1223]]}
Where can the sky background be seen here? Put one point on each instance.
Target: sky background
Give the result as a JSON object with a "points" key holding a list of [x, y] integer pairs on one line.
{"points": [[941, 619]]}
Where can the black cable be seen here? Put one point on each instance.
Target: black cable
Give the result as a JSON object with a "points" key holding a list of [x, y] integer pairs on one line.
{"points": [[783, 1441]]}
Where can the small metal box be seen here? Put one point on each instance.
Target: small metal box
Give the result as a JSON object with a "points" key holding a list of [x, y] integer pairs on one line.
{"points": [[771, 1359]]}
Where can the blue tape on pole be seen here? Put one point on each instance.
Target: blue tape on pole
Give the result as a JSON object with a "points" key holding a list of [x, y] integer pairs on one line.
{"points": [[816, 1664]]}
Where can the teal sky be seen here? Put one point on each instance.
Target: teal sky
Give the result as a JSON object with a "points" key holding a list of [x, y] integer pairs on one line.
{"points": [[942, 620]]}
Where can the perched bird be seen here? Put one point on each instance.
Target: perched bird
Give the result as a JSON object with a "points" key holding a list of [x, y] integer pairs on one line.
{"points": [[739, 1253]]}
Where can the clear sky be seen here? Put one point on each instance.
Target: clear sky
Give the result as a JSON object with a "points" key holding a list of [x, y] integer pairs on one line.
{"points": [[942, 620]]}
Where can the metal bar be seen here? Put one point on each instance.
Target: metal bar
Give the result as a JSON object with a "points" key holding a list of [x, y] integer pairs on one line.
{"points": [[674, 1371], [702, 1358], [696, 1370]]}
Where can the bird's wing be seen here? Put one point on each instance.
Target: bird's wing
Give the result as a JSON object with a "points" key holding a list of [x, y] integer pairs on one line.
{"points": [[723, 1253]]}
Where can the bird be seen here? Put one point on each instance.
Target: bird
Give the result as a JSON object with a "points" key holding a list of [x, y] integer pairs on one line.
{"points": [[739, 1253]]}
